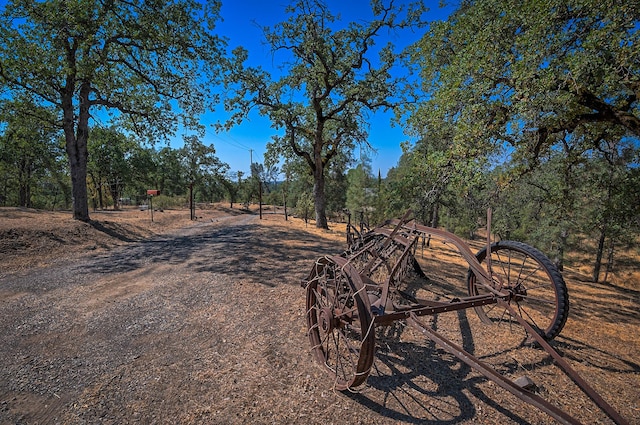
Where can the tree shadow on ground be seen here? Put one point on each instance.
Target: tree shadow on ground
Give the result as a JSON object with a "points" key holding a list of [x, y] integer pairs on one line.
{"points": [[263, 254], [576, 351], [605, 285], [116, 231], [424, 384], [609, 303]]}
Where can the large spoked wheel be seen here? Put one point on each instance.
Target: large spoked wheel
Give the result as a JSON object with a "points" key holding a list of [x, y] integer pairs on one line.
{"points": [[537, 291], [340, 322]]}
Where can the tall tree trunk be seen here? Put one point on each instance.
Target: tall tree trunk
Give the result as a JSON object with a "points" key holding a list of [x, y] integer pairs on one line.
{"points": [[115, 195], [22, 195], [5, 193], [435, 214], [100, 195], [284, 201], [78, 166], [22, 184], [28, 187], [596, 268], [76, 146], [603, 233], [567, 203], [192, 209], [562, 244], [609, 268], [318, 196]]}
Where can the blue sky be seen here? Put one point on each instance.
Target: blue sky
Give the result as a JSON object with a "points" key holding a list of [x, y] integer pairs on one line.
{"points": [[239, 26]]}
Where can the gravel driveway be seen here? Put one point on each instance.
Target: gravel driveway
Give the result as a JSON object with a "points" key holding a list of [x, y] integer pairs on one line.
{"points": [[206, 325]]}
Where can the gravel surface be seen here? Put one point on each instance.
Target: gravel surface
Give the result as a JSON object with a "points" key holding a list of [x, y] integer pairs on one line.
{"points": [[206, 325]]}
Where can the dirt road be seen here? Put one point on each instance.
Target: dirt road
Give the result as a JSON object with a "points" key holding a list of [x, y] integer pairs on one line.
{"points": [[206, 325]]}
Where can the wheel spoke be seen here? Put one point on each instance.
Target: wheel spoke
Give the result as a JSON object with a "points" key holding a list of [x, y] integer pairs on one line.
{"points": [[530, 275], [490, 308], [504, 311], [339, 318], [505, 272], [538, 300], [349, 350], [531, 319], [533, 283]]}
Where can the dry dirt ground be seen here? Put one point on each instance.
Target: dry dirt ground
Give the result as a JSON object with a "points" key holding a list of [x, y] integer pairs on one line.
{"points": [[125, 320]]}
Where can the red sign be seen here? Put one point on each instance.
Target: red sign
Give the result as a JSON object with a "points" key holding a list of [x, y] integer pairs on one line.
{"points": [[153, 192]]}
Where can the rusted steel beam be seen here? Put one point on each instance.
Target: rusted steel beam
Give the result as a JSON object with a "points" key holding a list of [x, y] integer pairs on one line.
{"points": [[568, 369], [454, 349], [390, 318]]}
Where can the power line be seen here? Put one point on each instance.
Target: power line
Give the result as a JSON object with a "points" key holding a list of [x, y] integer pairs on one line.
{"points": [[228, 140]]}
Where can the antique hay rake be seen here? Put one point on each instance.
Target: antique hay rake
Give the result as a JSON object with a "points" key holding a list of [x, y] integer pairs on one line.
{"points": [[378, 282]]}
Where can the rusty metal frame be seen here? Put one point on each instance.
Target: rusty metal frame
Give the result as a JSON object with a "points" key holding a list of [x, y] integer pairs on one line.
{"points": [[404, 233]]}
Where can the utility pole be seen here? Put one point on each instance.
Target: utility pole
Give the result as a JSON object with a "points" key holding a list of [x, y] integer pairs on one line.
{"points": [[192, 208], [260, 196]]}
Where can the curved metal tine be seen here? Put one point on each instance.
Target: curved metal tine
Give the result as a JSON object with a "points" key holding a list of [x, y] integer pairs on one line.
{"points": [[387, 242]]}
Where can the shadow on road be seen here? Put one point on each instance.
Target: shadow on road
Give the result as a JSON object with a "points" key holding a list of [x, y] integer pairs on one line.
{"points": [[421, 383], [264, 254]]}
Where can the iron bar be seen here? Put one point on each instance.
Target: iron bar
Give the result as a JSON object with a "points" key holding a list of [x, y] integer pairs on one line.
{"points": [[390, 318], [525, 395], [567, 368]]}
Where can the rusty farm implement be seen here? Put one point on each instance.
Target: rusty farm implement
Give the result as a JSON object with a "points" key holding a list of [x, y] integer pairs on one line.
{"points": [[377, 282]]}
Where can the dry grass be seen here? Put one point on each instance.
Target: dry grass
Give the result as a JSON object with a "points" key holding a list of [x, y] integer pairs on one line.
{"points": [[237, 353]]}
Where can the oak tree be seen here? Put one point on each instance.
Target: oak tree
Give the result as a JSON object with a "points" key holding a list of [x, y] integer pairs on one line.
{"points": [[520, 75], [333, 75], [149, 63], [30, 154], [532, 84]]}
